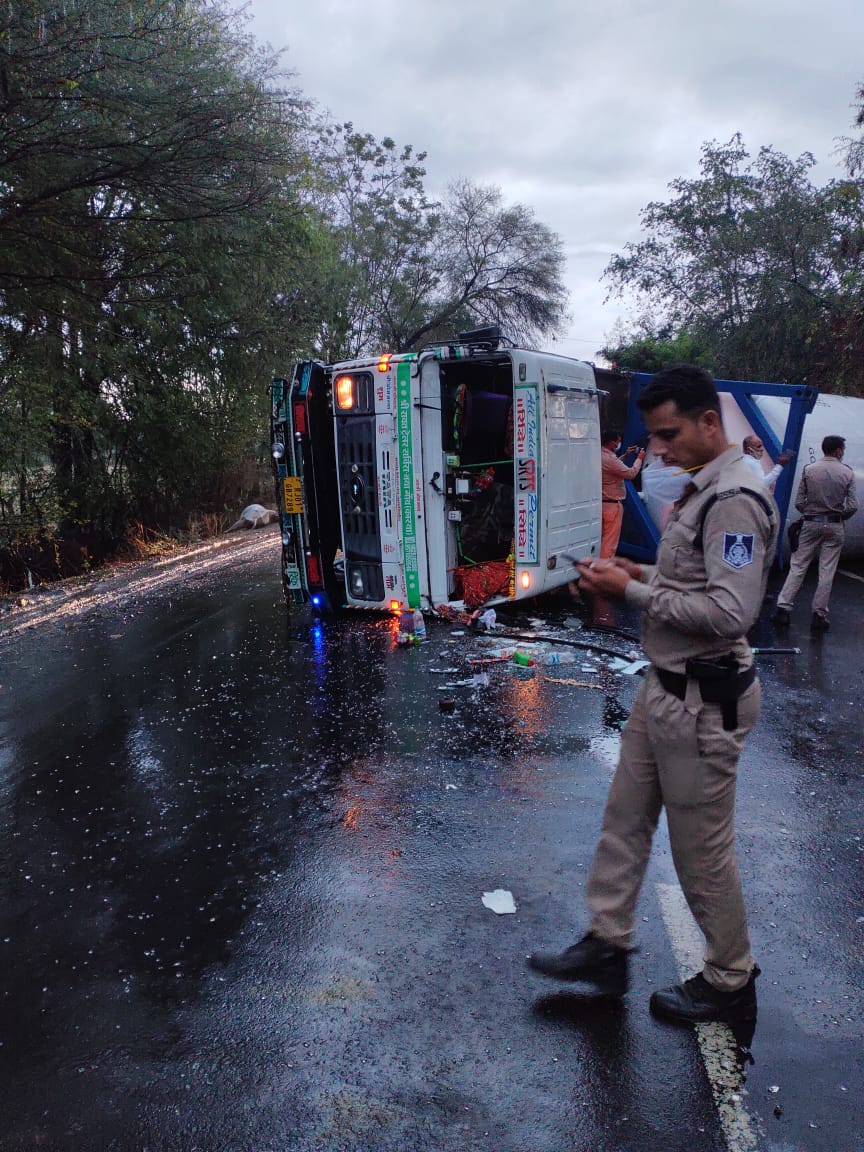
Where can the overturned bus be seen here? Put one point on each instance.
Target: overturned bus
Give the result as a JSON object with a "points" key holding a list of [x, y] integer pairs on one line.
{"points": [[468, 472]]}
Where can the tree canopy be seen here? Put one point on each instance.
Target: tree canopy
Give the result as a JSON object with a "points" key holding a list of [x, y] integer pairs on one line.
{"points": [[754, 265], [177, 225], [411, 270]]}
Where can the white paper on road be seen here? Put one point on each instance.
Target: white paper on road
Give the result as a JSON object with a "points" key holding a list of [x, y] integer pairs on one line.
{"points": [[500, 901]]}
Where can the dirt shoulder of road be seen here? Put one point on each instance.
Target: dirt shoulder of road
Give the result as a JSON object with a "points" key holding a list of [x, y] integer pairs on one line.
{"points": [[115, 587]]}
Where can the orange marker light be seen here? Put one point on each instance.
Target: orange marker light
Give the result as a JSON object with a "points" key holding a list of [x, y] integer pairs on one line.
{"points": [[384, 363], [344, 392], [395, 606], [525, 579]]}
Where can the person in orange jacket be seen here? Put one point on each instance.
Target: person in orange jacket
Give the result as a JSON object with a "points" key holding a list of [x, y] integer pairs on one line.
{"points": [[614, 471]]}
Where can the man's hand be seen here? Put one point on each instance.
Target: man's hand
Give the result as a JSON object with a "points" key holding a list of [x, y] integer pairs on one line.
{"points": [[605, 577], [629, 566], [784, 458]]}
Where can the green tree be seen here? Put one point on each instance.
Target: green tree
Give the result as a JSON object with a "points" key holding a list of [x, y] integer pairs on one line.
{"points": [[744, 259], [847, 202], [410, 270], [493, 263], [852, 148], [149, 212], [647, 351], [383, 223]]}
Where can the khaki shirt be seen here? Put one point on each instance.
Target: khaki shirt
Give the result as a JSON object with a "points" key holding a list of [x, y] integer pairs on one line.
{"points": [[702, 602], [827, 486]]}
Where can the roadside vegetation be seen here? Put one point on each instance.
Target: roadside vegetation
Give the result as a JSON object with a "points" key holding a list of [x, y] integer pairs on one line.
{"points": [[178, 223], [751, 270]]}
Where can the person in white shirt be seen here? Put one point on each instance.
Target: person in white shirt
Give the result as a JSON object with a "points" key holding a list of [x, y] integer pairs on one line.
{"points": [[754, 450]]}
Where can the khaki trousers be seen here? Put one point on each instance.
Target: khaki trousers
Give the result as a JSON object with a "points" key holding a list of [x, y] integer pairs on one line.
{"points": [[824, 541], [676, 754]]}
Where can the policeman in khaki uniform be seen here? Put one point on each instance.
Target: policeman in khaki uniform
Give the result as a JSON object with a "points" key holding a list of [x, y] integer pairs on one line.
{"points": [[825, 498], [699, 699]]}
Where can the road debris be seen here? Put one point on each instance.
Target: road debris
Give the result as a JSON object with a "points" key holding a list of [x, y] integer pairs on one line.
{"points": [[500, 902], [572, 683]]}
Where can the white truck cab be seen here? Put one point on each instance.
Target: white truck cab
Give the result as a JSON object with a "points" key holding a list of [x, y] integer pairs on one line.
{"points": [[468, 472]]}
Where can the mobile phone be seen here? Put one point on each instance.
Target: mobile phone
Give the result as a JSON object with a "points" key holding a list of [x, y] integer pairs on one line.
{"points": [[573, 560]]}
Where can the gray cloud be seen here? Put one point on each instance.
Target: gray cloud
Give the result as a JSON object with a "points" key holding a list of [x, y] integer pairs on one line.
{"points": [[582, 109]]}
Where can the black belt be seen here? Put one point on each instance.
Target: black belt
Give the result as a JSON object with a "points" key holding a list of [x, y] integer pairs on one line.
{"points": [[825, 518], [607, 501], [719, 683]]}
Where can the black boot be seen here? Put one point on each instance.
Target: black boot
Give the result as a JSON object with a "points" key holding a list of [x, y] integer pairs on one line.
{"points": [[819, 623], [781, 617], [592, 960], [696, 1000]]}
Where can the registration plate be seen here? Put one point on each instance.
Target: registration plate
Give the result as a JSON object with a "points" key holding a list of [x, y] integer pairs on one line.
{"points": [[292, 576], [292, 487]]}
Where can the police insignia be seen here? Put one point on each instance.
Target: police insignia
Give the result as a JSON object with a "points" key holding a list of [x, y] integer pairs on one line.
{"points": [[738, 549]]}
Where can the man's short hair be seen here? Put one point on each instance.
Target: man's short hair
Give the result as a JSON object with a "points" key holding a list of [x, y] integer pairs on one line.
{"points": [[831, 443], [747, 441], [691, 389], [608, 435]]}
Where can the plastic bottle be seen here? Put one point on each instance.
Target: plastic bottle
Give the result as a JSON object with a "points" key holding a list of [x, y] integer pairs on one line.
{"points": [[523, 659], [419, 625], [492, 655], [559, 658]]}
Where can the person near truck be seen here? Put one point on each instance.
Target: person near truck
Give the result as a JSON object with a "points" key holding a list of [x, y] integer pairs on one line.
{"points": [[614, 471], [825, 498], [754, 450], [699, 699]]}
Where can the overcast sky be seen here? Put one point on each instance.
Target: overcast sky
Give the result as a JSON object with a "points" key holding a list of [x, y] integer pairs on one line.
{"points": [[584, 110]]}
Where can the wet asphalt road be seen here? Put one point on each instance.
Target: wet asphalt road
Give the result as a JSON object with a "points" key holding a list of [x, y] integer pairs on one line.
{"points": [[241, 870]]}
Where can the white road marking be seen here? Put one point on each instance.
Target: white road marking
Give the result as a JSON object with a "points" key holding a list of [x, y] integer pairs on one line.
{"points": [[851, 575], [716, 1042]]}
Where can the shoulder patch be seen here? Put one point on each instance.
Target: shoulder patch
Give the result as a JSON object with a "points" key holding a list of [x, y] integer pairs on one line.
{"points": [[738, 549]]}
